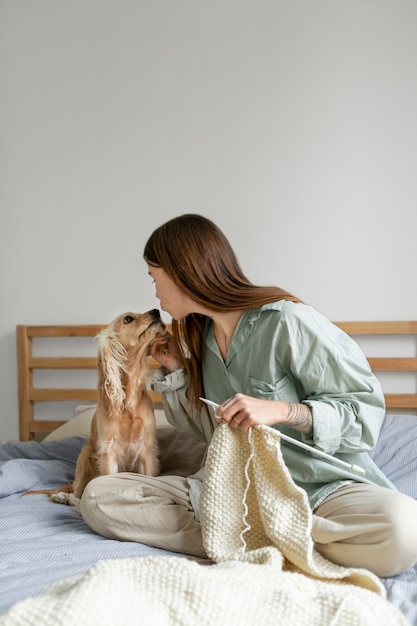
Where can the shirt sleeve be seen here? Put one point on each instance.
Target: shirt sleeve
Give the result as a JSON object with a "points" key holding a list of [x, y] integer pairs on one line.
{"points": [[339, 386], [177, 407]]}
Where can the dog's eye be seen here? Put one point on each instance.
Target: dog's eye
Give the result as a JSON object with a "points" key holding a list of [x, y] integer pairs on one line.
{"points": [[127, 319]]}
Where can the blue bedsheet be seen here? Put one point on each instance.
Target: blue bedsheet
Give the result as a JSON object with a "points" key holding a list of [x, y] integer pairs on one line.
{"points": [[42, 542]]}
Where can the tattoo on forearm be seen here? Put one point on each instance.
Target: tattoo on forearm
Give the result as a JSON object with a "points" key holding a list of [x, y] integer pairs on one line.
{"points": [[299, 417]]}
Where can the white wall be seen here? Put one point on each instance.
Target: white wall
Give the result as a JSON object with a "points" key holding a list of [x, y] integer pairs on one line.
{"points": [[291, 123]]}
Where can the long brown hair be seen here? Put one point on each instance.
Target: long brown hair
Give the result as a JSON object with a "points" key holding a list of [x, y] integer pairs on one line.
{"points": [[198, 257]]}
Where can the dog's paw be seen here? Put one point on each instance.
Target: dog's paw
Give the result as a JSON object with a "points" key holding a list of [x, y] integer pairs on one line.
{"points": [[61, 497]]}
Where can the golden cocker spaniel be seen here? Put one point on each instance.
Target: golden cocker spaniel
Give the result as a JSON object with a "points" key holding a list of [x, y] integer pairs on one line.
{"points": [[123, 429]]}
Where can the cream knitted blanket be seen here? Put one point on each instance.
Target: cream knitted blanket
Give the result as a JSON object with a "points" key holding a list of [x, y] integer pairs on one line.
{"points": [[256, 527]]}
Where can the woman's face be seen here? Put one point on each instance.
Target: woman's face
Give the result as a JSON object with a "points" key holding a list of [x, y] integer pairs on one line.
{"points": [[172, 299]]}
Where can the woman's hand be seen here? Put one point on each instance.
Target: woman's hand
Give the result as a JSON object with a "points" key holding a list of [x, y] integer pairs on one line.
{"points": [[165, 350], [243, 412]]}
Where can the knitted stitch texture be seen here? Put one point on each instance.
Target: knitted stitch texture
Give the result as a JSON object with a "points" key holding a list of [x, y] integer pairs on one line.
{"points": [[174, 591], [252, 510]]}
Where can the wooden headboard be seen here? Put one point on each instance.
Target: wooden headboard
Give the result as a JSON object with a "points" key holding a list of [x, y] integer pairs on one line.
{"points": [[27, 362]]}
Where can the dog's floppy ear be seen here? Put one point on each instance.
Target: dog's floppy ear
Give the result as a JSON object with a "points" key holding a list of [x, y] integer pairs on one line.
{"points": [[112, 356]]}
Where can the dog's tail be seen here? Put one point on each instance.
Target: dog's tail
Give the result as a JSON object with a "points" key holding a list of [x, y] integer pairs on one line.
{"points": [[67, 488]]}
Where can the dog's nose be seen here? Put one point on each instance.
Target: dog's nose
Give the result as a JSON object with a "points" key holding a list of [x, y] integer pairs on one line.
{"points": [[155, 313]]}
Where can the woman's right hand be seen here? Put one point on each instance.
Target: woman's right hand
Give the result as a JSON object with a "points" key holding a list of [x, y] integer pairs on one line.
{"points": [[165, 350]]}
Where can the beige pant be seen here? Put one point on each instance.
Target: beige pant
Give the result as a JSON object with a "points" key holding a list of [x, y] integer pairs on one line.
{"points": [[360, 525]]}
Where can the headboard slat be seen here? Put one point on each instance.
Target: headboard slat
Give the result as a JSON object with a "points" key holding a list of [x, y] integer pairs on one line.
{"points": [[57, 395], [88, 330], [63, 362], [44, 426], [401, 400], [25, 382], [379, 328], [393, 364]]}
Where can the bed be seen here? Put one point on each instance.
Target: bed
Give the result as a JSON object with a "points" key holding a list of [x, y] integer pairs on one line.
{"points": [[44, 543]]}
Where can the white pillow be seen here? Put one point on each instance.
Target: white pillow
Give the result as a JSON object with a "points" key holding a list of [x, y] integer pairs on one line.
{"points": [[79, 425]]}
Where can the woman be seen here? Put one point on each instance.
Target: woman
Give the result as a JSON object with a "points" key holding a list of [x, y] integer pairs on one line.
{"points": [[269, 359]]}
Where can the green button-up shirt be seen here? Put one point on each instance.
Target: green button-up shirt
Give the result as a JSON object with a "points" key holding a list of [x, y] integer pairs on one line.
{"points": [[288, 351]]}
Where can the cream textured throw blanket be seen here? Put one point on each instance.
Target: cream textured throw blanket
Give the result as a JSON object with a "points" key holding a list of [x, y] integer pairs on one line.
{"points": [[256, 527]]}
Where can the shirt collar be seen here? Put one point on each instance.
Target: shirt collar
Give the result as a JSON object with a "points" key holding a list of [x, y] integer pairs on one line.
{"points": [[243, 329]]}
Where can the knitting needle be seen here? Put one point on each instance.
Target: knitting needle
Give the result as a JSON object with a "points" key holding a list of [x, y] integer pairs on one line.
{"points": [[354, 468]]}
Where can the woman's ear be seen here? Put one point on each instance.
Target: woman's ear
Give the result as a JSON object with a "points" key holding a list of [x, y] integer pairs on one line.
{"points": [[112, 356]]}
